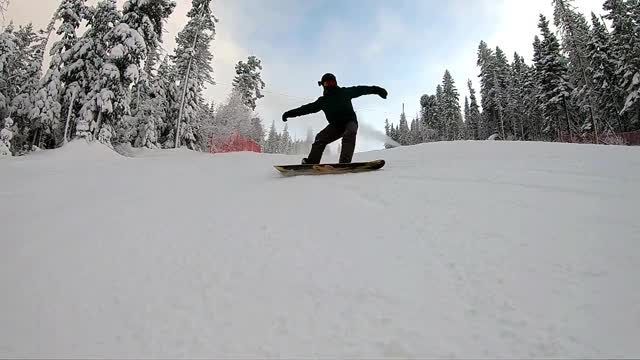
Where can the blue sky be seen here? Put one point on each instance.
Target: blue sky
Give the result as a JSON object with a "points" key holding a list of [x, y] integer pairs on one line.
{"points": [[398, 45], [402, 45]]}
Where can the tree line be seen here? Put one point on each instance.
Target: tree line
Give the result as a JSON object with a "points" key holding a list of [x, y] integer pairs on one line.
{"points": [[584, 81], [113, 82]]}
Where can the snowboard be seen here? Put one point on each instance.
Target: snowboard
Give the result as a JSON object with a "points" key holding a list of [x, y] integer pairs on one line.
{"points": [[326, 169]]}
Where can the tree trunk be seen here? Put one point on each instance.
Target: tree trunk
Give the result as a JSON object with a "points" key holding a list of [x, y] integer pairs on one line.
{"points": [[66, 126], [595, 124], [566, 112], [446, 130], [138, 99], [99, 123], [35, 137], [40, 138], [619, 122], [501, 115]]}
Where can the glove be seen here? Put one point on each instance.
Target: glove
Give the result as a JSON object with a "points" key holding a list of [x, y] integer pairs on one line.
{"points": [[285, 117], [383, 93]]}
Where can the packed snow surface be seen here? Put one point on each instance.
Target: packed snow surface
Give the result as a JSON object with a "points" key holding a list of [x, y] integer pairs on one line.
{"points": [[464, 249]]}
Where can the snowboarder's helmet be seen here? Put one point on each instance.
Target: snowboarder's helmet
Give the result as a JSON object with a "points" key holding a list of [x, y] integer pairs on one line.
{"points": [[328, 80]]}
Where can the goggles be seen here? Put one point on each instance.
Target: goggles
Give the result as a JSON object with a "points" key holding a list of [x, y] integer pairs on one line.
{"points": [[327, 83]]}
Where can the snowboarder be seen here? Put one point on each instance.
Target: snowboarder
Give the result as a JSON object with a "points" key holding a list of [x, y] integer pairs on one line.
{"points": [[343, 123]]}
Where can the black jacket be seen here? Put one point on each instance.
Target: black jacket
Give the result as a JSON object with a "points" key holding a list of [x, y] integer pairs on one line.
{"points": [[336, 104]]}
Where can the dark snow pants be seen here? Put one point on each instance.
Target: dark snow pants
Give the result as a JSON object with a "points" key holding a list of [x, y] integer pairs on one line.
{"points": [[330, 134]]}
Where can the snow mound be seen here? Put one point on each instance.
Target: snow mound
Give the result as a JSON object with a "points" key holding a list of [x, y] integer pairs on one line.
{"points": [[77, 150], [466, 249]]}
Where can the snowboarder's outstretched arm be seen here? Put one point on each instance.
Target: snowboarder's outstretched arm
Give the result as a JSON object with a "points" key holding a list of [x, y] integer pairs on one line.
{"points": [[357, 91], [307, 109]]}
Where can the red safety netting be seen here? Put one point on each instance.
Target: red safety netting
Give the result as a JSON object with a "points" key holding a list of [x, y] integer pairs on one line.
{"points": [[233, 143], [625, 138]]}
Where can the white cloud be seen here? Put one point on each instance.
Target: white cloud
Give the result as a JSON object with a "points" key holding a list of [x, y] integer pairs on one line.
{"points": [[388, 29], [518, 23]]}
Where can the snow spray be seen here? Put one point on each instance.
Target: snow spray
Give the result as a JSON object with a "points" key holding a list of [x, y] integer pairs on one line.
{"points": [[376, 134]]}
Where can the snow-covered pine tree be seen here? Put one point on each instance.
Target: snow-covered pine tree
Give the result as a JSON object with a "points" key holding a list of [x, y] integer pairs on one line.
{"points": [[8, 52], [516, 98], [396, 136], [414, 130], [35, 69], [403, 129], [452, 116], [25, 129], [148, 19], [554, 82], [387, 127], [193, 61], [428, 118], [21, 73], [606, 86], [284, 146], [257, 131], [153, 111], [460, 127], [488, 91], [74, 73], [138, 35], [419, 130], [214, 123], [474, 122], [248, 81], [534, 87], [439, 116], [467, 116], [5, 138], [273, 140], [632, 75], [48, 110], [625, 22], [88, 58], [231, 117], [502, 75], [574, 31], [389, 137], [167, 80], [208, 132], [25, 63], [24, 103]]}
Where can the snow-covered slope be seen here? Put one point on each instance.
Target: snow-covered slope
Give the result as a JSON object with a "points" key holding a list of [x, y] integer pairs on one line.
{"points": [[488, 249]]}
